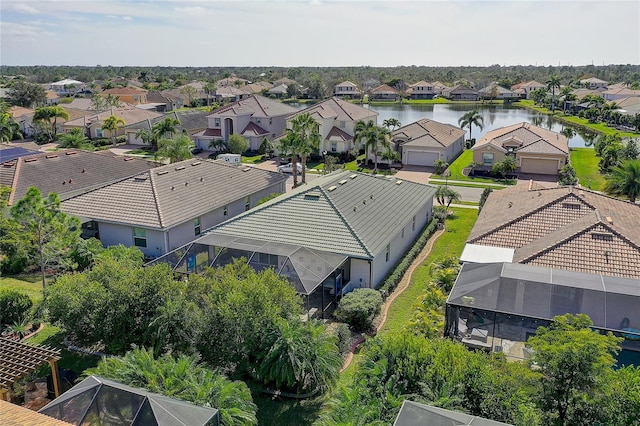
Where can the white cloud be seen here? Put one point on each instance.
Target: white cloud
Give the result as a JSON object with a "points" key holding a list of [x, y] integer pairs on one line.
{"points": [[23, 8], [21, 31], [127, 18], [191, 11]]}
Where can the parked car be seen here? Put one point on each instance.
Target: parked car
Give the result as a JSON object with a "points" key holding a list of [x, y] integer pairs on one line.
{"points": [[288, 168], [196, 150]]}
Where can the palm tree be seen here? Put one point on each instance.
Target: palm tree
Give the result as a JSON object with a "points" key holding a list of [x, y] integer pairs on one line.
{"points": [[9, 129], [552, 84], [290, 146], [391, 123], [210, 88], [166, 128], [308, 132], [379, 137], [446, 195], [148, 137], [624, 180], [112, 124], [45, 114], [177, 149], [74, 139], [363, 131], [471, 118], [568, 132], [218, 145]]}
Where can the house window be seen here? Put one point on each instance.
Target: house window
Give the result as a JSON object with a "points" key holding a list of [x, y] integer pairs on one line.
{"points": [[216, 122], [247, 203], [402, 233], [487, 158], [139, 237], [342, 124], [387, 252], [413, 224], [196, 226], [334, 146], [99, 133], [225, 211]]}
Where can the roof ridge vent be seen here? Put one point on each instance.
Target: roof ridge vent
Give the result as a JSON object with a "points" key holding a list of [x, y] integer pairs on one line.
{"points": [[353, 176], [332, 188], [196, 163], [71, 152], [51, 156], [398, 182], [140, 178], [180, 168], [342, 182], [162, 172], [30, 160]]}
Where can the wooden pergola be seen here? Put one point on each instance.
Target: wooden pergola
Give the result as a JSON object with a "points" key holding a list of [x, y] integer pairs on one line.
{"points": [[20, 359]]}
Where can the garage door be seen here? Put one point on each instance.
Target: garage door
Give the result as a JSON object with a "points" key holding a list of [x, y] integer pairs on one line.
{"points": [[420, 158], [539, 166]]}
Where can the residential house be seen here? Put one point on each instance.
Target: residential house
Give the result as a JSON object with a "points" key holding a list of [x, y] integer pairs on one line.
{"points": [[163, 101], [438, 87], [414, 413], [426, 141], [536, 150], [230, 94], [255, 118], [460, 93], [525, 89], [52, 97], [362, 227], [628, 106], [594, 83], [131, 95], [232, 81], [621, 93], [24, 118], [581, 93], [92, 123], [535, 253], [257, 88], [67, 87], [279, 91], [161, 209], [337, 119], [384, 93], [347, 89], [495, 91], [191, 122], [421, 90], [67, 172], [82, 104]]}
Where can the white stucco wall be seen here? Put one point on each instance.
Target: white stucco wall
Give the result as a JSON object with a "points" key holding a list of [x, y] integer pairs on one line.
{"points": [[114, 234]]}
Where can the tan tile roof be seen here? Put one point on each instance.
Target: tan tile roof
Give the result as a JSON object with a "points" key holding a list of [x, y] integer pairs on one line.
{"points": [[528, 134], [169, 195], [256, 106], [427, 132], [563, 227], [18, 111], [384, 89], [67, 172], [341, 110], [15, 415], [340, 134], [129, 114], [422, 83]]}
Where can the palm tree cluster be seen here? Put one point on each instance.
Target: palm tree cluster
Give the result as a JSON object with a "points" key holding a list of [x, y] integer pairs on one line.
{"points": [[9, 129], [373, 138], [112, 124], [301, 140], [164, 129], [44, 115]]}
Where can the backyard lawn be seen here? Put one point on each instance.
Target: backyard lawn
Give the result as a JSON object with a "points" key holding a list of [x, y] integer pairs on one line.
{"points": [[463, 161], [585, 162], [27, 284]]}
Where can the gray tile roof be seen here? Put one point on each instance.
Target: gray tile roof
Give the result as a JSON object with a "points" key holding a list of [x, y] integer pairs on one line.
{"points": [[169, 195], [349, 213], [428, 133], [190, 121], [67, 172], [527, 134]]}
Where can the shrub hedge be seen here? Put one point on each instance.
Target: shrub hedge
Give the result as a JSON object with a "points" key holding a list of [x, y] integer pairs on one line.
{"points": [[359, 307], [14, 307], [392, 280]]}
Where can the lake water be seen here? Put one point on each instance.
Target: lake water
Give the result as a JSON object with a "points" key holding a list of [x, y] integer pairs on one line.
{"points": [[494, 117]]}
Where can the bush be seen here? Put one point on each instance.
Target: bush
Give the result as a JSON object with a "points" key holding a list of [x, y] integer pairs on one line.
{"points": [[396, 275], [567, 175], [483, 198], [359, 307], [14, 306], [343, 334]]}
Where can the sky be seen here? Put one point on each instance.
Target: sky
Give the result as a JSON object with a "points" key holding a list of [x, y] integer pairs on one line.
{"points": [[318, 33]]}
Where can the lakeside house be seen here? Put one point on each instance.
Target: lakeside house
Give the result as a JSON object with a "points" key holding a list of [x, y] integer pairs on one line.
{"points": [[424, 142]]}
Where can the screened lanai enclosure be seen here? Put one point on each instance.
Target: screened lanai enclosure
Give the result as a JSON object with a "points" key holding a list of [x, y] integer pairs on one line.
{"points": [[319, 276], [98, 401], [498, 306]]}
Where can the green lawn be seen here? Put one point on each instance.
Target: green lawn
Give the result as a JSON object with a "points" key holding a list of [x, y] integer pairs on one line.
{"points": [[27, 284], [450, 243], [53, 336], [463, 161], [255, 159], [585, 162], [466, 185]]}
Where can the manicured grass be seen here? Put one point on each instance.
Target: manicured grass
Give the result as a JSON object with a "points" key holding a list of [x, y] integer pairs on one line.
{"points": [[460, 163], [282, 411], [449, 244], [585, 162], [255, 159], [53, 336], [577, 121], [465, 185], [27, 284]]}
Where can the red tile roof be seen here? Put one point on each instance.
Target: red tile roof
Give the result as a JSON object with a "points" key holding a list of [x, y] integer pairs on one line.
{"points": [[15, 415], [254, 128]]}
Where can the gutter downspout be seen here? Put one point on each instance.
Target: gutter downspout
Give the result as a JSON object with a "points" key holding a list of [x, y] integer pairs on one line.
{"points": [[371, 274]]}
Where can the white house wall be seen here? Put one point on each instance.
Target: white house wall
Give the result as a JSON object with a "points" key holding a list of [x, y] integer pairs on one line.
{"points": [[360, 273], [113, 234]]}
